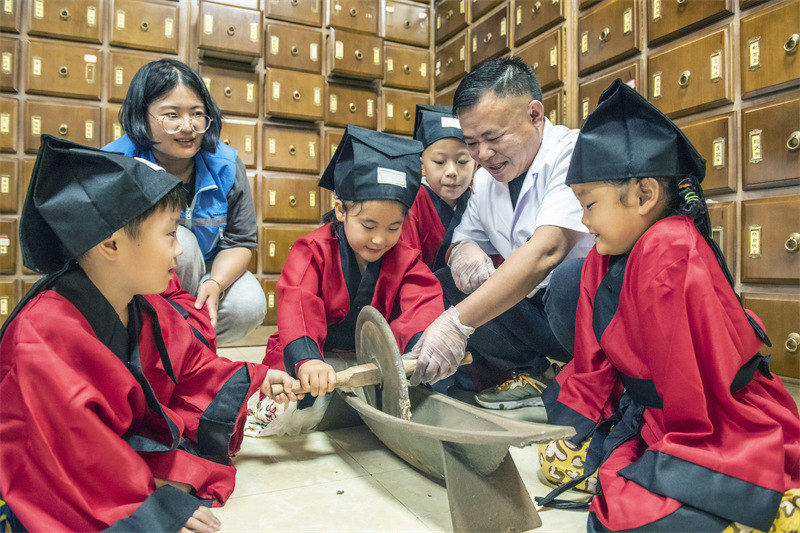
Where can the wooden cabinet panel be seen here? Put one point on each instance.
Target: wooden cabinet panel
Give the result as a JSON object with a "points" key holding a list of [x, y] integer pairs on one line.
{"points": [[330, 140], [406, 22], [145, 25], [122, 66], [544, 54], [714, 139], [553, 103], [451, 18], [291, 94], [9, 297], [293, 47], [64, 69], [723, 230], [350, 105], [112, 129], [768, 52], [780, 314], [479, 8], [229, 32], [291, 149], [9, 193], [234, 91], [489, 38], [78, 20], [399, 108], [268, 285], [276, 241], [445, 97], [242, 137], [531, 17], [9, 64], [355, 15], [771, 240], [11, 16], [405, 67], [667, 19], [355, 55], [302, 11], [76, 123], [451, 61], [692, 76], [289, 198], [607, 34], [8, 246], [9, 116], [771, 144], [589, 92]]}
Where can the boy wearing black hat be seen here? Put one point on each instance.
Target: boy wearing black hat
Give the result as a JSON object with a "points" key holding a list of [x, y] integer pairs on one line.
{"points": [[112, 413], [356, 259], [447, 170], [689, 429]]}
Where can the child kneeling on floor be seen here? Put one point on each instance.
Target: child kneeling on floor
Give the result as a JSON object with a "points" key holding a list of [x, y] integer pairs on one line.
{"points": [[112, 413], [689, 430], [356, 259]]}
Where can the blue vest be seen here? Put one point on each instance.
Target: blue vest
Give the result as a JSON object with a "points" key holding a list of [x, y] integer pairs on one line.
{"points": [[214, 176]]}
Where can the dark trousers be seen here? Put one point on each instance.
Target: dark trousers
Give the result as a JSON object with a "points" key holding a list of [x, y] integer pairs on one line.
{"points": [[523, 337]]}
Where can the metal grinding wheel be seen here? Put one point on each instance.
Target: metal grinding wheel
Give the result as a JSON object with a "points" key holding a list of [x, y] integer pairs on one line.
{"points": [[376, 344]]}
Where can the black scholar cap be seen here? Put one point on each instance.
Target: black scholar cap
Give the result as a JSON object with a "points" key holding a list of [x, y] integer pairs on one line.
{"points": [[434, 122]]}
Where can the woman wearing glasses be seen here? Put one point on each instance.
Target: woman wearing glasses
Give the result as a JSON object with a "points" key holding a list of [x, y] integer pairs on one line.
{"points": [[170, 119]]}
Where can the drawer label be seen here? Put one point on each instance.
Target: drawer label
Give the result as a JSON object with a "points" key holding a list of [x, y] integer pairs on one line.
{"points": [[656, 9], [313, 51], [519, 15], [276, 90], [755, 146], [5, 244], [37, 66], [8, 6], [254, 31], [438, 21], [754, 48], [627, 21], [312, 199], [120, 20], [5, 123], [390, 9], [389, 64], [333, 151], [553, 116], [250, 92], [389, 110], [272, 197], [272, 146], [585, 42], [312, 149], [503, 26], [207, 81], [754, 247], [6, 62], [461, 53], [36, 124], [718, 150], [272, 248], [91, 16], [657, 85], [584, 108], [88, 74], [423, 70], [248, 143], [208, 24], [333, 103], [370, 107], [474, 44], [554, 56], [274, 44], [4, 305], [88, 129], [117, 131], [317, 96], [38, 9], [271, 299], [437, 68], [338, 50], [376, 55], [461, 7], [716, 66], [168, 28], [118, 75], [718, 235], [5, 185]]}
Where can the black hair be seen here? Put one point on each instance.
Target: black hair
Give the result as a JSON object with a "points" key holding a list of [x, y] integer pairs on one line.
{"points": [[505, 76], [174, 199], [348, 206], [682, 196], [151, 82]]}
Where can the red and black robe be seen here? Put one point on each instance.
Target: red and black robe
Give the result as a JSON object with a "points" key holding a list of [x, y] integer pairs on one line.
{"points": [[430, 224], [91, 412], [198, 319], [689, 428], [321, 291]]}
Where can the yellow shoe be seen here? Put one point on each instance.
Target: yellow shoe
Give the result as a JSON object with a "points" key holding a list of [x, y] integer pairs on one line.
{"points": [[787, 519], [560, 461]]}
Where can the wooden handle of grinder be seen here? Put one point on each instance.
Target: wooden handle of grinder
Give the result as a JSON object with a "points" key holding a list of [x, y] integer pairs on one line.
{"points": [[362, 375]]}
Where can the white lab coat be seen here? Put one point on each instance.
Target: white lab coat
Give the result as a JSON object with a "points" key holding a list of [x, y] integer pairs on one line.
{"points": [[544, 200]]}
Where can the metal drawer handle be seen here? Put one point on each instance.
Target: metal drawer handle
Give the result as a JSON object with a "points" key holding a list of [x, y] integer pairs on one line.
{"points": [[683, 81], [63, 71], [292, 149], [63, 129], [407, 24], [604, 33], [294, 3], [294, 50], [144, 26], [352, 107], [226, 141], [407, 69], [792, 342], [231, 30], [535, 65], [228, 92], [536, 7], [488, 37], [681, 2], [359, 55], [296, 95], [64, 14], [791, 44], [793, 142], [292, 201], [406, 114], [353, 12], [448, 62], [449, 15], [792, 243]]}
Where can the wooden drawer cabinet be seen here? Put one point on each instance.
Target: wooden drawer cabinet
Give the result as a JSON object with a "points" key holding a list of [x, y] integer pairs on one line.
{"points": [[667, 19], [62, 69], [112, 129], [330, 140], [693, 76], [301, 11], [780, 314], [553, 103], [9, 194], [76, 123], [9, 116], [355, 55], [531, 17], [242, 137], [234, 91], [268, 285], [11, 16], [25, 175], [445, 97], [723, 230], [771, 144], [293, 47], [489, 38], [607, 34], [451, 18], [290, 94], [399, 108], [479, 8], [229, 32], [355, 15], [771, 240], [451, 61], [78, 20], [714, 139], [768, 51], [289, 198], [8, 246], [9, 64], [276, 242], [589, 92], [350, 105], [9, 297], [122, 66], [291, 149], [406, 22], [545, 56], [405, 67], [145, 25]]}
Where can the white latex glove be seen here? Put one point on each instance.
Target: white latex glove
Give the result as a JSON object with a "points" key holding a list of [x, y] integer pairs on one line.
{"points": [[470, 266], [440, 349]]}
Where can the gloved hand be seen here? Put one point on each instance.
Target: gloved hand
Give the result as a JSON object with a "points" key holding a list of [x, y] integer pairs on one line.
{"points": [[440, 349], [470, 266]]}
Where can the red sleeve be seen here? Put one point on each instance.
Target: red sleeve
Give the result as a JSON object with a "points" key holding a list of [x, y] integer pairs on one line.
{"points": [[198, 319], [420, 303]]}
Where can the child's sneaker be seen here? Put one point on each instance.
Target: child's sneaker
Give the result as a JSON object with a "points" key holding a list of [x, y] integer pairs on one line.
{"points": [[520, 391], [787, 519], [560, 461]]}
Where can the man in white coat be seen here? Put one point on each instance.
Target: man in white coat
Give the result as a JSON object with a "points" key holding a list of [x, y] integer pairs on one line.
{"points": [[521, 214]]}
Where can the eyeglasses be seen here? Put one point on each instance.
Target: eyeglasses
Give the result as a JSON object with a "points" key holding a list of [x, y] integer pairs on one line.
{"points": [[173, 124]]}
